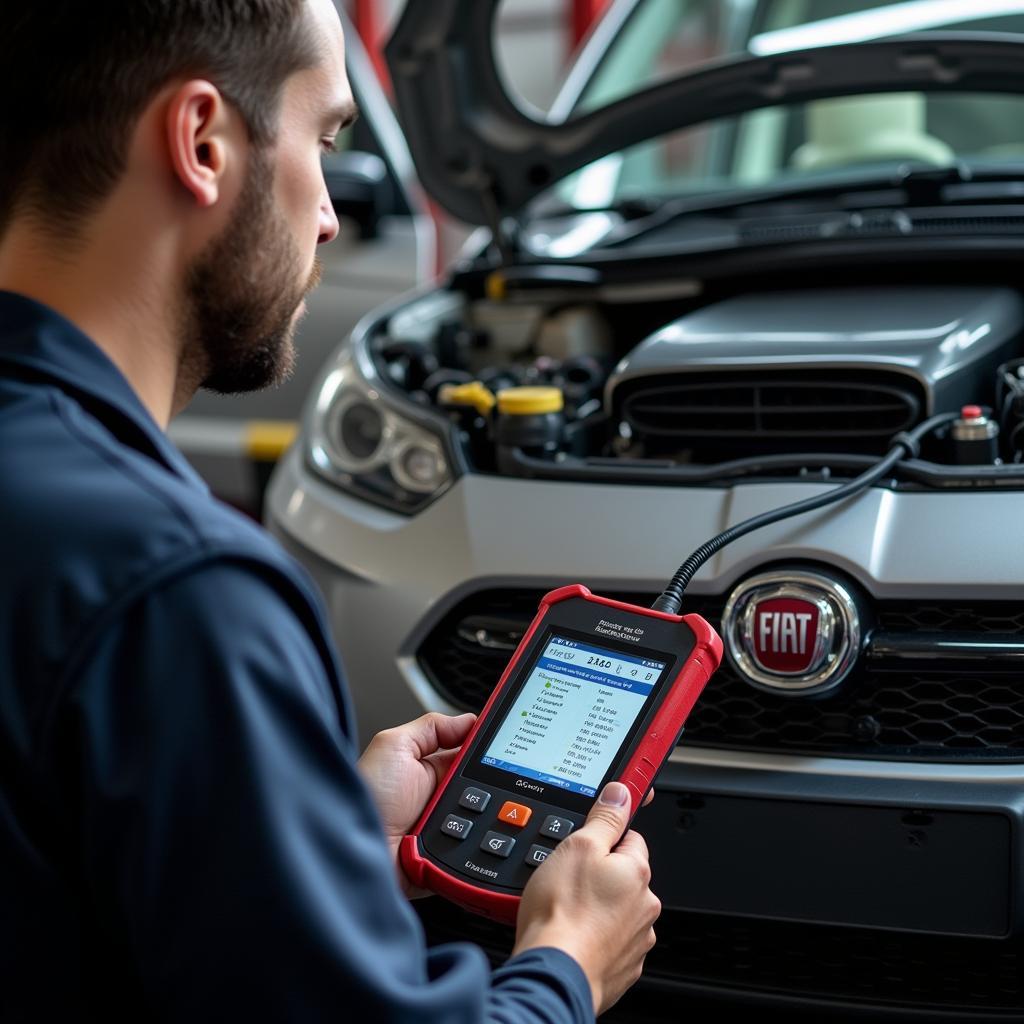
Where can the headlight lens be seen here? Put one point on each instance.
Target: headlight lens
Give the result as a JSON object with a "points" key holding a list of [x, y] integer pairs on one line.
{"points": [[361, 443], [358, 430]]}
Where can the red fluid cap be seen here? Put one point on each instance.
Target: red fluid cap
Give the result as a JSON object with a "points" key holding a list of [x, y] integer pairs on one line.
{"points": [[971, 412]]}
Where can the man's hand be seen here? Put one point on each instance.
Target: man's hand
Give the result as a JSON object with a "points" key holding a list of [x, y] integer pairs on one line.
{"points": [[591, 899], [403, 766]]}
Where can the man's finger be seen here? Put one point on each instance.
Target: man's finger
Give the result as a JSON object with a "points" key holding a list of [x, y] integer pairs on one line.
{"points": [[441, 762], [434, 731], [633, 845], [608, 817]]}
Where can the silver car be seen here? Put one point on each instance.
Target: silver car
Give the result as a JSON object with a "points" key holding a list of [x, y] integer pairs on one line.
{"points": [[753, 243]]}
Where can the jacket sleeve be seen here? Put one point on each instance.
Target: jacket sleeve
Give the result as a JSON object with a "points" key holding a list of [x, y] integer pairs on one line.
{"points": [[231, 846]]}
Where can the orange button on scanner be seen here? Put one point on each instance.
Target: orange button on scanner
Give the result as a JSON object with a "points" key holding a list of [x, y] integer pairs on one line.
{"points": [[514, 814]]}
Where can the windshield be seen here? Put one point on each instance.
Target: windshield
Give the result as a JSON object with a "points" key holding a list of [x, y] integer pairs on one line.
{"points": [[782, 145]]}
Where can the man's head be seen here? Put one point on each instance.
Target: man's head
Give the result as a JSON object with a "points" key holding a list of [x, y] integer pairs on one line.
{"points": [[203, 119]]}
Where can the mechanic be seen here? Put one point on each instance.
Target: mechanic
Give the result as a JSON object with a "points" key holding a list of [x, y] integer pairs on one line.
{"points": [[185, 831]]}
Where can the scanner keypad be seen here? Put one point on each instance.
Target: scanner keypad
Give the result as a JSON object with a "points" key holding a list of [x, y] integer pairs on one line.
{"points": [[493, 853]]}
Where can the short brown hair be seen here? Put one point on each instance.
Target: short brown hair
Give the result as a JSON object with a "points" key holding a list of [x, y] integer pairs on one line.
{"points": [[75, 77]]}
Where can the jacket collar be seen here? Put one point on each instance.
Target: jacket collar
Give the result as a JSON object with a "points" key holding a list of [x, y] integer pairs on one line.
{"points": [[37, 341]]}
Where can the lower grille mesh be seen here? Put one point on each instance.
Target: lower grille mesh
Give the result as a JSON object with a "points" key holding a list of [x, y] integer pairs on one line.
{"points": [[846, 965]]}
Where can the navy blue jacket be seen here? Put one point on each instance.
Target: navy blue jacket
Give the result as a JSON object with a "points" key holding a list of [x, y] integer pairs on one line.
{"points": [[183, 832]]}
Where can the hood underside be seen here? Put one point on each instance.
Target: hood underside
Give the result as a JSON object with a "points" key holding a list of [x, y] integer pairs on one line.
{"points": [[483, 158]]}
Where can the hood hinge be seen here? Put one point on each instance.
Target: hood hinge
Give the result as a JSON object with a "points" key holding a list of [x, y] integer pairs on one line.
{"points": [[503, 229]]}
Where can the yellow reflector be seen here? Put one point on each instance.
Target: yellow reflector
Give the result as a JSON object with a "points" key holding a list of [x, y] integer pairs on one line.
{"points": [[496, 286], [268, 440]]}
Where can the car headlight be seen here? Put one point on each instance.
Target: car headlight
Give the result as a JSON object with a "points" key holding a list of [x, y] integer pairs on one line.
{"points": [[362, 443]]}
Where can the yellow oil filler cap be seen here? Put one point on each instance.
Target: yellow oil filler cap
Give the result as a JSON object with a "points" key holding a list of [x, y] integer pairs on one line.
{"points": [[530, 401], [473, 394]]}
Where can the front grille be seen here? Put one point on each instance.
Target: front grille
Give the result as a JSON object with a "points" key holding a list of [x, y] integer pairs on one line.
{"points": [[889, 710], [849, 966], [987, 617], [715, 416]]}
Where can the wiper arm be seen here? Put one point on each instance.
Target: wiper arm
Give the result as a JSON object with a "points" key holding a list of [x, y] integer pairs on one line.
{"points": [[924, 185], [919, 186], [629, 207]]}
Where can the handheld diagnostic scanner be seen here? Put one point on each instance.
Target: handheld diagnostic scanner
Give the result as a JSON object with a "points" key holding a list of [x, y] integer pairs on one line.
{"points": [[597, 690]]}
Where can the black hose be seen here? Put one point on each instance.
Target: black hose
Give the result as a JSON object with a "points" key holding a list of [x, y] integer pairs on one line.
{"points": [[904, 446]]}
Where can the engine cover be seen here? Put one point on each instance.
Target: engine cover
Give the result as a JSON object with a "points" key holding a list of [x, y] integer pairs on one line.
{"points": [[813, 370]]}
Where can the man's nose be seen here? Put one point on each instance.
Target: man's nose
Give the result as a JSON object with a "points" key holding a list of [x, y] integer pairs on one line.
{"points": [[328, 220]]}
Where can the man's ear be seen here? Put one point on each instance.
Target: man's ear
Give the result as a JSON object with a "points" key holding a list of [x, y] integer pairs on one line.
{"points": [[198, 139]]}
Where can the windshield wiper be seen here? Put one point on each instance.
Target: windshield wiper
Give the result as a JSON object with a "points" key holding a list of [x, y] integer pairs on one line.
{"points": [[906, 186], [629, 208]]}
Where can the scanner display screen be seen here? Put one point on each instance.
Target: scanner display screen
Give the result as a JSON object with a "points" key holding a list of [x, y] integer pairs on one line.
{"points": [[572, 714]]}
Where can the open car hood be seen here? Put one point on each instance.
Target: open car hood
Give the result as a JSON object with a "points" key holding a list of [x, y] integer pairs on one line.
{"points": [[483, 158]]}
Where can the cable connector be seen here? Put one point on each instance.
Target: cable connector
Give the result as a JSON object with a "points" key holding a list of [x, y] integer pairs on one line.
{"points": [[910, 444], [667, 603]]}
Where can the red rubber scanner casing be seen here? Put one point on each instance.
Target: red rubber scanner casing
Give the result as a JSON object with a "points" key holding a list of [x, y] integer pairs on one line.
{"points": [[638, 773]]}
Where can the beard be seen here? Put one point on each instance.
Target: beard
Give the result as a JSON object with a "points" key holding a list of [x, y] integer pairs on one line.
{"points": [[242, 294]]}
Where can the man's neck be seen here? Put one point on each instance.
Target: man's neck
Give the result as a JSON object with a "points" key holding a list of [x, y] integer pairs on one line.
{"points": [[123, 303]]}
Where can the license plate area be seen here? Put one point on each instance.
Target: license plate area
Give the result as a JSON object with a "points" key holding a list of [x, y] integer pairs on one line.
{"points": [[934, 870]]}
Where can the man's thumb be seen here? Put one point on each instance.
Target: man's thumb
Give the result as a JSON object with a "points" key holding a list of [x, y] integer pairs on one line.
{"points": [[610, 814]]}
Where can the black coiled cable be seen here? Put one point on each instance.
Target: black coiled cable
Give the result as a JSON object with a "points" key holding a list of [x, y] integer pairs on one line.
{"points": [[904, 446]]}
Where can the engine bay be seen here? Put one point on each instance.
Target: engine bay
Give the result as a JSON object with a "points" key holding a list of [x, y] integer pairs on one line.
{"points": [[797, 382]]}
